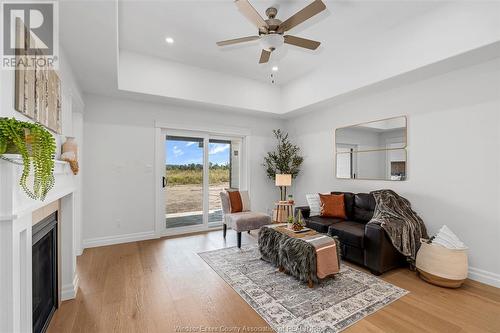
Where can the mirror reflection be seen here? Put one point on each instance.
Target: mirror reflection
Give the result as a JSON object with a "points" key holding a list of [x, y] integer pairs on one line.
{"points": [[372, 150], [382, 134], [379, 165]]}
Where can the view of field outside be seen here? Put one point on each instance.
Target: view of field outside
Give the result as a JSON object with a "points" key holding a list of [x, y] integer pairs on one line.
{"points": [[184, 186], [184, 172]]}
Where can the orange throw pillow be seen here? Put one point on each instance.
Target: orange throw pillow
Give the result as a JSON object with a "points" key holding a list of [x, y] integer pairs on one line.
{"points": [[332, 205], [235, 200]]}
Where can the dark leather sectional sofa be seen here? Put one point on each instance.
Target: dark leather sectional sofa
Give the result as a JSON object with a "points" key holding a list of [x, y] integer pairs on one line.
{"points": [[364, 244]]}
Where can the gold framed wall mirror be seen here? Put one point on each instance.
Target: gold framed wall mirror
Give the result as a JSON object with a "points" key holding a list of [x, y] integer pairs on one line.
{"points": [[375, 150]]}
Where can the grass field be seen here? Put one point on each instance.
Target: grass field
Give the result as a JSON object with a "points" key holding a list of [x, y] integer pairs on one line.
{"points": [[189, 198], [185, 188], [195, 177]]}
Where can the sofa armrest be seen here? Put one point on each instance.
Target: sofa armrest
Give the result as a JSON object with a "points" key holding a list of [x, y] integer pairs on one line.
{"points": [[380, 254], [305, 210]]}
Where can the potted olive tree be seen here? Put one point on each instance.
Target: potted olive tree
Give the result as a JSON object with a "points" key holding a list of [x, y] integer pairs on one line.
{"points": [[285, 159], [37, 148]]}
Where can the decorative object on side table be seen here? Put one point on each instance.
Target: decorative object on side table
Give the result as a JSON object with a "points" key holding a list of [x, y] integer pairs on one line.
{"points": [[70, 154], [442, 260], [37, 148]]}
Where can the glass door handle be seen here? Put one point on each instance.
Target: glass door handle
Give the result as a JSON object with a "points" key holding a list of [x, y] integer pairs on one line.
{"points": [[164, 181]]}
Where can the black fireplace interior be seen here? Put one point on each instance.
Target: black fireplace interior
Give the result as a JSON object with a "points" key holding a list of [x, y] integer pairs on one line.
{"points": [[44, 270]]}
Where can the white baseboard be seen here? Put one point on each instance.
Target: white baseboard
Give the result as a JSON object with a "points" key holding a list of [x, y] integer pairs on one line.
{"points": [[483, 276], [69, 290], [119, 239]]}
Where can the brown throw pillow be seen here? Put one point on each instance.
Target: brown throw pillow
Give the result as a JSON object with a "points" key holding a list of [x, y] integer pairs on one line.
{"points": [[332, 205], [235, 200]]}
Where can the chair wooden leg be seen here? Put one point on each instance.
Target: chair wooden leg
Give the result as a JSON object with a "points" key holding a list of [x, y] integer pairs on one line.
{"points": [[310, 284], [224, 230], [238, 236]]}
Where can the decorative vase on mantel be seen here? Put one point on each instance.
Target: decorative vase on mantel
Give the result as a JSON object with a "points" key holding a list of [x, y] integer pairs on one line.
{"points": [[70, 153]]}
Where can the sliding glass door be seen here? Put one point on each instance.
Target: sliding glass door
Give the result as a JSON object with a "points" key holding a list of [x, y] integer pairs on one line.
{"points": [[184, 181], [198, 167], [224, 173]]}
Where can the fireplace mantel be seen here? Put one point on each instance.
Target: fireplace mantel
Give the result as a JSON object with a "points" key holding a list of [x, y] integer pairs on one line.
{"points": [[16, 212]]}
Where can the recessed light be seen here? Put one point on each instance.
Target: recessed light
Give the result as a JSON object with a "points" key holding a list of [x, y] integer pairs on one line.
{"points": [[169, 40], [275, 68]]}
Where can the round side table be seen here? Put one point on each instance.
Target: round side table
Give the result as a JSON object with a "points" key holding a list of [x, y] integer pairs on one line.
{"points": [[282, 210]]}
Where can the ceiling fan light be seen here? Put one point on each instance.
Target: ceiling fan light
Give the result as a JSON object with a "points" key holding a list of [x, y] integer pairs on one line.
{"points": [[271, 42]]}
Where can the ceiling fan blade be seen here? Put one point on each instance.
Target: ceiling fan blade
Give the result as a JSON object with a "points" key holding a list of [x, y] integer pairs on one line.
{"points": [[302, 42], [302, 15], [251, 14], [237, 40], [264, 56]]}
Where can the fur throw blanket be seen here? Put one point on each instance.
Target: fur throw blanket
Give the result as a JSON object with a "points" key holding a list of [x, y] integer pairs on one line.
{"points": [[402, 224], [296, 256]]}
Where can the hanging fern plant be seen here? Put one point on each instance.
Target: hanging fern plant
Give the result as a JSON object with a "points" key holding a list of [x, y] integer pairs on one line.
{"points": [[37, 148]]}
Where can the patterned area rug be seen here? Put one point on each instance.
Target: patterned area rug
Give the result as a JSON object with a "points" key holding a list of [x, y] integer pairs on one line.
{"points": [[288, 305]]}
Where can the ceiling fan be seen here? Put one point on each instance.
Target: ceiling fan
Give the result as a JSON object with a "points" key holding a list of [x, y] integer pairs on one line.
{"points": [[272, 31]]}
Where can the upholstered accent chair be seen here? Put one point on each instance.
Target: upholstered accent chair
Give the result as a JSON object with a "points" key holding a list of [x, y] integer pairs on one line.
{"points": [[242, 221]]}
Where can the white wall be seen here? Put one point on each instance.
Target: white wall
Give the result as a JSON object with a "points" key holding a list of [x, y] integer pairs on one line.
{"points": [[119, 184], [150, 75], [453, 154], [452, 29]]}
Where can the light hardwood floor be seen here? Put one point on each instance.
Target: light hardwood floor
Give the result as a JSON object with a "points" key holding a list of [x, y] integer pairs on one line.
{"points": [[158, 285]]}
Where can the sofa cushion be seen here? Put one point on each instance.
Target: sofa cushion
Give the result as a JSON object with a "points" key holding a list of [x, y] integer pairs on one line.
{"points": [[321, 224], [314, 204], [349, 232], [364, 206], [235, 201], [348, 203], [332, 205], [226, 205], [245, 221]]}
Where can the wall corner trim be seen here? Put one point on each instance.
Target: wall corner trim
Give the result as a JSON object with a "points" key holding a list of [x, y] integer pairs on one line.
{"points": [[69, 291], [483, 276], [118, 239]]}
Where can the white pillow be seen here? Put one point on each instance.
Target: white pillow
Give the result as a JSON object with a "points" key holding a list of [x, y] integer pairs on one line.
{"points": [[245, 200], [314, 203]]}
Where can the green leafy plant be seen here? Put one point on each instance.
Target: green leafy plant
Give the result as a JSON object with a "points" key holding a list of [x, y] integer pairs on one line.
{"points": [[285, 159], [37, 148]]}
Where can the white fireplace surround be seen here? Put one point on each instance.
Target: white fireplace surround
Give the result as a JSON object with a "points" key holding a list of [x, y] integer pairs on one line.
{"points": [[16, 211]]}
